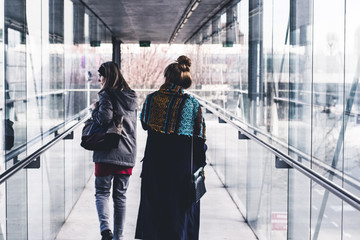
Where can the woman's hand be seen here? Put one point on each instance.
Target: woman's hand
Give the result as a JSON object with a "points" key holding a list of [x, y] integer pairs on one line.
{"points": [[95, 105]]}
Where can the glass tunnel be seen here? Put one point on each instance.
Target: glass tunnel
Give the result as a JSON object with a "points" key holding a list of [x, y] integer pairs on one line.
{"points": [[277, 82]]}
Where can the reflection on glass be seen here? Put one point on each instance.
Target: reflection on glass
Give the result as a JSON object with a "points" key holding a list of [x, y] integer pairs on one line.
{"points": [[328, 83], [299, 208], [351, 221], [280, 67], [352, 101], [277, 73], [15, 84], [295, 95], [46, 83], [351, 176], [328, 110], [326, 217], [16, 112], [34, 77]]}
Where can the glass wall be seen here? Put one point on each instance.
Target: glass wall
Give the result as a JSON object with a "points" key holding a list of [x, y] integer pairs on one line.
{"points": [[50, 51], [288, 72], [285, 70]]}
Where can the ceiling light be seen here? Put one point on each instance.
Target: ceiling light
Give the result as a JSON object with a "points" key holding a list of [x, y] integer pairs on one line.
{"points": [[195, 6], [185, 17], [189, 14]]}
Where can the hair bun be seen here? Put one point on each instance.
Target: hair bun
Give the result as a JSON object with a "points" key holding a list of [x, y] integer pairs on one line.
{"points": [[184, 62]]}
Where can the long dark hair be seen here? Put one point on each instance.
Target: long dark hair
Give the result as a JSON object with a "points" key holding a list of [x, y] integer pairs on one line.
{"points": [[113, 77], [179, 72]]}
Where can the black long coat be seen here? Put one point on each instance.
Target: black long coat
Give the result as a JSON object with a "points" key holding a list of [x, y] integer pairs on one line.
{"points": [[165, 212]]}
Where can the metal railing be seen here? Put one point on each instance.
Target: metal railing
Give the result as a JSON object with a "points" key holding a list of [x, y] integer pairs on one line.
{"points": [[304, 156], [26, 161], [337, 190], [23, 147]]}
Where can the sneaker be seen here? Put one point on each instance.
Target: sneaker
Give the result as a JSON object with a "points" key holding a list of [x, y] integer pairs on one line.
{"points": [[106, 235]]}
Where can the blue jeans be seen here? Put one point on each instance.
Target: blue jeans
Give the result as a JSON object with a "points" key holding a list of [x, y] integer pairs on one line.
{"points": [[103, 188]]}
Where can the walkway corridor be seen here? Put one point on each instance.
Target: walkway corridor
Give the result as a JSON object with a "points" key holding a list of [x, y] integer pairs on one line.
{"points": [[220, 219]]}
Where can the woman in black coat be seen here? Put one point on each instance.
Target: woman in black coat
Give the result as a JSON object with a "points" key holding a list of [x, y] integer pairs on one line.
{"points": [[175, 125]]}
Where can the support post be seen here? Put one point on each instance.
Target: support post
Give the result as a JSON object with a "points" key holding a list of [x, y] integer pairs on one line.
{"points": [[215, 30], [116, 56]]}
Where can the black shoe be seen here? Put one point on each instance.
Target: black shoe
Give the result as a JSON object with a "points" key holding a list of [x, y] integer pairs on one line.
{"points": [[106, 235]]}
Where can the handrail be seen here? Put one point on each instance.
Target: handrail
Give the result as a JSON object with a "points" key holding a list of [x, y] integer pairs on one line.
{"points": [[11, 100], [342, 193], [23, 163], [58, 92], [23, 147], [348, 179]]}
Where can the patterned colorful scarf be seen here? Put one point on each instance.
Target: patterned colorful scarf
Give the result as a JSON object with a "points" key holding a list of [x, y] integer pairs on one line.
{"points": [[169, 110]]}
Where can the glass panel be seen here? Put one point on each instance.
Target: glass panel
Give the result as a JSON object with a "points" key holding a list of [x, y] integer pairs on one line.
{"points": [[233, 158], [299, 206], [53, 63], [68, 41], [351, 222], [278, 69], [36, 200], [351, 171], [15, 111], [41, 52], [295, 95], [216, 144], [15, 70], [2, 212], [220, 141], [34, 70], [16, 206], [53, 190], [254, 58], [351, 174], [75, 65], [279, 202], [223, 28], [248, 172], [35, 102], [326, 214], [241, 182], [241, 85], [259, 174], [68, 55], [299, 86], [328, 85], [328, 124]]}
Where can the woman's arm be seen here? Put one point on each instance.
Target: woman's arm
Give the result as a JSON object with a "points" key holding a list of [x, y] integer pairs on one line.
{"points": [[104, 113]]}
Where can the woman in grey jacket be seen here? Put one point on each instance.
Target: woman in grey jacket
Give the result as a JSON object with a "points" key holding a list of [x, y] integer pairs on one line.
{"points": [[116, 100]]}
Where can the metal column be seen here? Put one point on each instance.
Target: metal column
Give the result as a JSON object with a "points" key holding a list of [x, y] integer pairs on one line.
{"points": [[116, 56]]}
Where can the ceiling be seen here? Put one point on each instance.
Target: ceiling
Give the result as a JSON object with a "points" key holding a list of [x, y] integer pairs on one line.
{"points": [[132, 21]]}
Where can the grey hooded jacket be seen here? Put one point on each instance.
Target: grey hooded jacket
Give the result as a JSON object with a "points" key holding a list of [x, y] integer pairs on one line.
{"points": [[126, 100]]}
